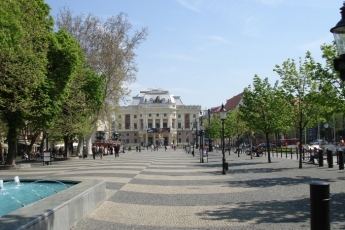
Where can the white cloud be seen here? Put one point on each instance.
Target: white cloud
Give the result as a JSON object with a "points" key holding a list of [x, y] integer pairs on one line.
{"points": [[315, 45], [252, 26], [178, 57], [219, 39], [271, 2], [189, 6]]}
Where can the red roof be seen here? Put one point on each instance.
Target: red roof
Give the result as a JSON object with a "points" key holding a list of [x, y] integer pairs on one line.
{"points": [[216, 109], [233, 102]]}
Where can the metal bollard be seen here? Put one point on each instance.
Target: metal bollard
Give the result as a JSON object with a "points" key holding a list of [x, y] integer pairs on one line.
{"points": [[319, 205], [320, 157], [226, 166], [330, 158], [341, 159]]}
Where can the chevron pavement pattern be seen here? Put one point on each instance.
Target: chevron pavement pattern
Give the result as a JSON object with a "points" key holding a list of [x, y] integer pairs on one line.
{"points": [[173, 190]]}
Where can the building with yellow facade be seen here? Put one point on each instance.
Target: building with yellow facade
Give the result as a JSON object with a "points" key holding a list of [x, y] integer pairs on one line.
{"points": [[156, 116]]}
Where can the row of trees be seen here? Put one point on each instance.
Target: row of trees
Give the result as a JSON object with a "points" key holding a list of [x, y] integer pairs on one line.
{"points": [[309, 93], [65, 79]]}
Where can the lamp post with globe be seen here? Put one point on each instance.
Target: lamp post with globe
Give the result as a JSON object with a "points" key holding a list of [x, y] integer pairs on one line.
{"points": [[223, 115]]}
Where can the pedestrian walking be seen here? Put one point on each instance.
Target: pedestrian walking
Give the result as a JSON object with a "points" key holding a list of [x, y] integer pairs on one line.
{"points": [[117, 150], [94, 151]]}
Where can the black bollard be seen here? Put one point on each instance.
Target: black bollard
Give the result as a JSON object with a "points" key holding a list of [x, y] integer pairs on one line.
{"points": [[320, 157], [226, 166], [330, 158], [341, 159], [319, 205]]}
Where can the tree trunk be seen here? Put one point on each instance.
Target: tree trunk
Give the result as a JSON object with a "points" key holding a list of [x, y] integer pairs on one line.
{"points": [[11, 137], [89, 145], [65, 139], [80, 146], [268, 148], [300, 147], [2, 155]]}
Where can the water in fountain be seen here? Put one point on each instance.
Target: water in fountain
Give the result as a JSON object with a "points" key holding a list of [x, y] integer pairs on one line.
{"points": [[24, 193]]}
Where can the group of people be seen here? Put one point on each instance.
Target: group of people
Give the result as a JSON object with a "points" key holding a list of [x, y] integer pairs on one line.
{"points": [[100, 150], [314, 154]]}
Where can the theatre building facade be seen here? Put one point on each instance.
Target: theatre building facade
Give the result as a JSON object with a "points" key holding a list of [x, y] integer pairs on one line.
{"points": [[156, 116]]}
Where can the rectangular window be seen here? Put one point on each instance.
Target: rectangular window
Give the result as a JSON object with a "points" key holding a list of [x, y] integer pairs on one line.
{"points": [[179, 116], [165, 125], [179, 140], [150, 125], [135, 116], [186, 121], [179, 126], [127, 121], [157, 125], [135, 126], [135, 140]]}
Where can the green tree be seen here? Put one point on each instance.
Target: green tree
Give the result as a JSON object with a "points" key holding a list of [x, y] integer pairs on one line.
{"points": [[85, 97], [214, 128], [303, 99], [235, 126], [262, 108], [25, 29], [109, 46], [64, 58]]}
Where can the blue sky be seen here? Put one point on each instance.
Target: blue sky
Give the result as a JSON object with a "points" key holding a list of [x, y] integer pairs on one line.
{"points": [[207, 51]]}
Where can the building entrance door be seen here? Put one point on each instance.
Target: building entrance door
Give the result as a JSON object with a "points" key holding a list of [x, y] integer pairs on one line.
{"points": [[150, 140]]}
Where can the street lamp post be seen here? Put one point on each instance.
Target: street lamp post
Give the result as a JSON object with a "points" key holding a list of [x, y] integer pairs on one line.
{"points": [[326, 129], [209, 139], [339, 37], [47, 134], [196, 134], [201, 133], [193, 143], [223, 117]]}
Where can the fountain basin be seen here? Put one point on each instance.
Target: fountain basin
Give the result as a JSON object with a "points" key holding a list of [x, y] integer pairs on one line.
{"points": [[62, 210]]}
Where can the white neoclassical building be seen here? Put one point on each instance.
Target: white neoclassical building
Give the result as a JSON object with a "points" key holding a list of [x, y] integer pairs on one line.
{"points": [[156, 116]]}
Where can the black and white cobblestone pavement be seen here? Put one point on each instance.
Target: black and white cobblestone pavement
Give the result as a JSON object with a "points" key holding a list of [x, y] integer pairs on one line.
{"points": [[173, 190]]}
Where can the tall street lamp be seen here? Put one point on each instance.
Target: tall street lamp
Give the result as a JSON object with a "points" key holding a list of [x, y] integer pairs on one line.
{"points": [[326, 125], [223, 117], [339, 37], [193, 142], [209, 139], [196, 134], [47, 134], [201, 133]]}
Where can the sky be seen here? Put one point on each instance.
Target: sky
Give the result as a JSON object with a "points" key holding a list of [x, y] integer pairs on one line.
{"points": [[208, 51]]}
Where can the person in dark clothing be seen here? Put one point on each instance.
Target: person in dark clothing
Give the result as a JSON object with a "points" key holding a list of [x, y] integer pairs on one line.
{"points": [[117, 150], [94, 152]]}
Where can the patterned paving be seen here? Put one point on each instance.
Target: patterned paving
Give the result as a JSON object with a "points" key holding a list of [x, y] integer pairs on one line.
{"points": [[172, 190]]}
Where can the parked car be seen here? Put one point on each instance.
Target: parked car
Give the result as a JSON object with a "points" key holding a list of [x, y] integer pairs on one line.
{"points": [[319, 142], [264, 145]]}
